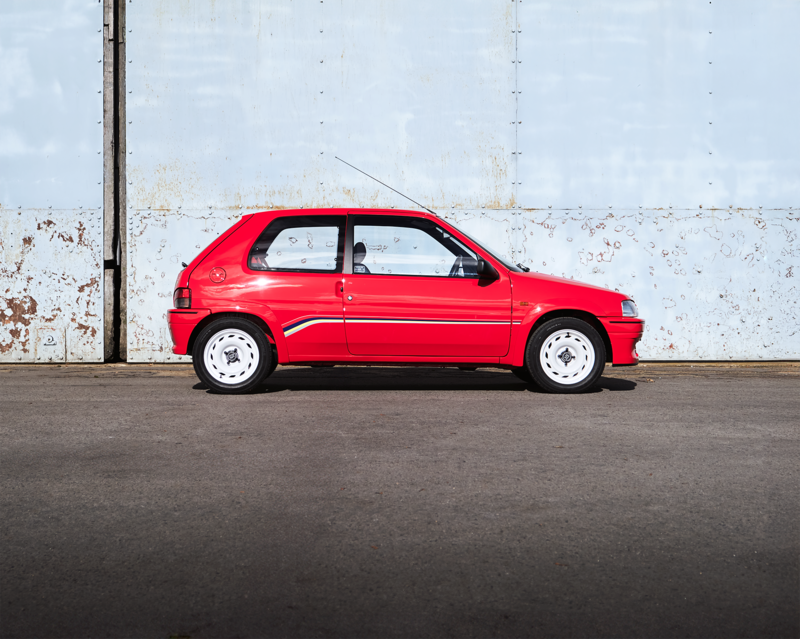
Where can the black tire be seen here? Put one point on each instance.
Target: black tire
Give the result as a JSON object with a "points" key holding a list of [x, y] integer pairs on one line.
{"points": [[571, 366], [220, 371], [274, 364]]}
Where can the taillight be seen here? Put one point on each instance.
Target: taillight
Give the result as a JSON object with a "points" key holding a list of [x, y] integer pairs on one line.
{"points": [[182, 298]]}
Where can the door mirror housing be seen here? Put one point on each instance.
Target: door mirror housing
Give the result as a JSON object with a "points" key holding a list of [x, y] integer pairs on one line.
{"points": [[486, 271]]}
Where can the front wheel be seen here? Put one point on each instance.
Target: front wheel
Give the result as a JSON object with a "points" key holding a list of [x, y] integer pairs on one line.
{"points": [[565, 355], [232, 355]]}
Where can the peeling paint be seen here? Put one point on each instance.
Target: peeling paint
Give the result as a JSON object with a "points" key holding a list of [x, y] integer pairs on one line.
{"points": [[158, 241], [51, 287], [709, 286], [697, 303]]}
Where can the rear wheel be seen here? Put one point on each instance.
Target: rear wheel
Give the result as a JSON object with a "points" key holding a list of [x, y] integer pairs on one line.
{"points": [[232, 355], [565, 355]]}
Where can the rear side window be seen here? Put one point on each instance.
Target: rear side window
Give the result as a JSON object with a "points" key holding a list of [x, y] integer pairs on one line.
{"points": [[307, 243]]}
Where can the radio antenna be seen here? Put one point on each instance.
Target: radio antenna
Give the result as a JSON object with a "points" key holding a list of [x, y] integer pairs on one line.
{"points": [[386, 185]]}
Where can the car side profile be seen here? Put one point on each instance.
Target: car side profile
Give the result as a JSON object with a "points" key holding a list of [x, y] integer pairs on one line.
{"points": [[351, 286]]}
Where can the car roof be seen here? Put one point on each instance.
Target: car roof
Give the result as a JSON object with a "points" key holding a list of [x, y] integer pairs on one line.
{"points": [[345, 211]]}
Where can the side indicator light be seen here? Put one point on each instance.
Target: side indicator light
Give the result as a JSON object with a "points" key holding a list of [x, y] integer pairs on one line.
{"points": [[217, 275]]}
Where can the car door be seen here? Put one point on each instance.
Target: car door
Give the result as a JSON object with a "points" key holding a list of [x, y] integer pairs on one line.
{"points": [[298, 259], [414, 292]]}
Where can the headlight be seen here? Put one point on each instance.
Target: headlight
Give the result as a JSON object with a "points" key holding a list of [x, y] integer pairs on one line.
{"points": [[629, 309]]}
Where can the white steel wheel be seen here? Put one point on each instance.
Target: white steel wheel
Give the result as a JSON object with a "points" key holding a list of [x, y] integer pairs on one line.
{"points": [[567, 357], [231, 356]]}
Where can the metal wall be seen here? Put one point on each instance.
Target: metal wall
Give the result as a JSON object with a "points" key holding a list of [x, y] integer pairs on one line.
{"points": [[51, 175], [640, 145]]}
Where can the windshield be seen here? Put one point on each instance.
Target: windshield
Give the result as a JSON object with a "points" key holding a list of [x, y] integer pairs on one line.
{"points": [[510, 267]]}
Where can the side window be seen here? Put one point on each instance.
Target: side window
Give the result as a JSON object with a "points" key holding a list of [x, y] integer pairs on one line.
{"points": [[312, 243], [409, 246]]}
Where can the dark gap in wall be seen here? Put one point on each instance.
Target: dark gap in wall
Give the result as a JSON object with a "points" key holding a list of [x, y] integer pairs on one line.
{"points": [[119, 69]]}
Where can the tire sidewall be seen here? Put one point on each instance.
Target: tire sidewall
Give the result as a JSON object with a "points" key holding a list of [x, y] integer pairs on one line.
{"points": [[265, 356], [539, 337]]}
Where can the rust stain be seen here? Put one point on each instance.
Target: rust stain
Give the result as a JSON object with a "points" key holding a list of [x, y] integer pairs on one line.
{"points": [[50, 271], [22, 310], [15, 333], [86, 328], [90, 284], [81, 234]]}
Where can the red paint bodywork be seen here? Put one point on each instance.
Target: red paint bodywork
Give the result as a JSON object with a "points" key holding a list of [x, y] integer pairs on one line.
{"points": [[457, 321]]}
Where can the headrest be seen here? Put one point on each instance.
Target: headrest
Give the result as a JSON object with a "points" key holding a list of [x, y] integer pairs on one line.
{"points": [[359, 252]]}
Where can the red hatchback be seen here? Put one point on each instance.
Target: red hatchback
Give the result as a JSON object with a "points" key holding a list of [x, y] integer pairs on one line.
{"points": [[342, 286]]}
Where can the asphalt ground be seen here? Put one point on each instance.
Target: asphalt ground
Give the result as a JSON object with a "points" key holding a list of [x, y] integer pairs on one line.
{"points": [[387, 502]]}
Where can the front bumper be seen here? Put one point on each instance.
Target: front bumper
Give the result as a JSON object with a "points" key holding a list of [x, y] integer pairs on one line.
{"points": [[624, 334], [182, 321]]}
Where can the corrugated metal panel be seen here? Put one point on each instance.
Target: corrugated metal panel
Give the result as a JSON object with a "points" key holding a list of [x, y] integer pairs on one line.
{"points": [[490, 112], [158, 241], [711, 284], [656, 103], [51, 173], [51, 104], [51, 308], [247, 103]]}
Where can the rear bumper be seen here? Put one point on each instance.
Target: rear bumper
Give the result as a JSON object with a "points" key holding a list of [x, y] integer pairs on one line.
{"points": [[182, 321], [624, 335]]}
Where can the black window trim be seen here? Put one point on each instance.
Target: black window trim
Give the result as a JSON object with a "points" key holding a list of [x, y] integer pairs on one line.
{"points": [[354, 218], [338, 220]]}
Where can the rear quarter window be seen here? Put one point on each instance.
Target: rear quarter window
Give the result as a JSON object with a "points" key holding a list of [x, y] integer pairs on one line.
{"points": [[308, 243]]}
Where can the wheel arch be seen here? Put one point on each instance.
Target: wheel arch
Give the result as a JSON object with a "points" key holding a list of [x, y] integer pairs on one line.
{"points": [[258, 321], [577, 314]]}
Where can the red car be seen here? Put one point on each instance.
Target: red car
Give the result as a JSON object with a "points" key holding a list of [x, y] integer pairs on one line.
{"points": [[343, 286]]}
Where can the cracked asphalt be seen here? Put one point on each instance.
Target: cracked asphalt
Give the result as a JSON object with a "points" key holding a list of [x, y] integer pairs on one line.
{"points": [[393, 502]]}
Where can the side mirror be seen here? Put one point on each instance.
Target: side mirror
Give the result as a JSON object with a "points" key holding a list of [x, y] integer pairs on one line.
{"points": [[486, 271]]}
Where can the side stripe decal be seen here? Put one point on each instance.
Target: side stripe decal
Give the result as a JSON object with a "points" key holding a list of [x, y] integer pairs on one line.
{"points": [[298, 326], [384, 320], [295, 327]]}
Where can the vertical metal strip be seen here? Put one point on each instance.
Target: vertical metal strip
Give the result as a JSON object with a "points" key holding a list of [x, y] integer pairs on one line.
{"points": [[709, 201], [113, 178], [515, 26], [121, 208], [109, 180], [516, 216]]}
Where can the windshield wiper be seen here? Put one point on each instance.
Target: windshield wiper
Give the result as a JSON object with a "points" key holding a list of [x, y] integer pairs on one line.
{"points": [[525, 269]]}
